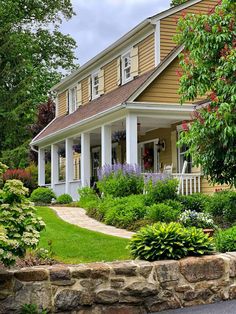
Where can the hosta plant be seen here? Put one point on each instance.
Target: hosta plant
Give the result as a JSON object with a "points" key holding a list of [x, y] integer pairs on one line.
{"points": [[169, 241]]}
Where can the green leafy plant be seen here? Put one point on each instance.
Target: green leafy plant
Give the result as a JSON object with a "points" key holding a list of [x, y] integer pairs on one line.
{"points": [[32, 309], [169, 241], [42, 195], [86, 195], [162, 212], [191, 218], [197, 202], [225, 240], [19, 225], [161, 190], [222, 206], [64, 199]]}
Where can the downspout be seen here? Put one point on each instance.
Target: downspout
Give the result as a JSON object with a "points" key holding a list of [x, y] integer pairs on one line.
{"points": [[34, 149]]}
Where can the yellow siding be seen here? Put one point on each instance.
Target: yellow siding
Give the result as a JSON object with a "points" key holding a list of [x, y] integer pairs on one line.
{"points": [[207, 188], [164, 88], [62, 104], [169, 24], [85, 91], [146, 54], [163, 134], [110, 76]]}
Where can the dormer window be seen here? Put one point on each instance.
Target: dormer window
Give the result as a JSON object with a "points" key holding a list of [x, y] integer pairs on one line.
{"points": [[72, 99], [95, 85], [126, 68]]}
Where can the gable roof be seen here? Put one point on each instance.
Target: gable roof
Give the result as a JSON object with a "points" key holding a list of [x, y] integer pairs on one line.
{"points": [[107, 102], [148, 21]]}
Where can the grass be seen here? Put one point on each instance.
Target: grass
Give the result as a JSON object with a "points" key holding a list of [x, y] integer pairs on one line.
{"points": [[72, 244]]}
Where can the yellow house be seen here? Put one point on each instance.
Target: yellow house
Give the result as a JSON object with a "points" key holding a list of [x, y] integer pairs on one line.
{"points": [[123, 106]]}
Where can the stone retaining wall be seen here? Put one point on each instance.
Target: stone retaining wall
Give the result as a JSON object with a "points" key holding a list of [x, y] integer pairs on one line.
{"points": [[132, 287]]}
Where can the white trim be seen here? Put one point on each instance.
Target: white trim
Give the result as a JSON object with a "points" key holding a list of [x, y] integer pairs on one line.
{"points": [[159, 107], [72, 106], [93, 75], [127, 55], [158, 43], [155, 74]]}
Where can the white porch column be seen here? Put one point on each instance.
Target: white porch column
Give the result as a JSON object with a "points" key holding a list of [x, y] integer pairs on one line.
{"points": [[85, 159], [41, 167], [54, 165], [131, 139], [69, 163], [106, 145]]}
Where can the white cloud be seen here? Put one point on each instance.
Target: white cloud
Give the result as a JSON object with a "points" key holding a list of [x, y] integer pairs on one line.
{"points": [[99, 23]]}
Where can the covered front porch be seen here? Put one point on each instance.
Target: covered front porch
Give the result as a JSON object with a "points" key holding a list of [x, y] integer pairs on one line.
{"points": [[141, 134]]}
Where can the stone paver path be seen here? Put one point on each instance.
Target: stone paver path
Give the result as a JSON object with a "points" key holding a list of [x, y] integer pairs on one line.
{"points": [[77, 216]]}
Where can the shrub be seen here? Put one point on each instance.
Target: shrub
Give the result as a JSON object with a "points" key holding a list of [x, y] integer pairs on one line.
{"points": [[197, 201], [125, 211], [64, 199], [176, 205], [42, 195], [169, 241], [225, 240], [162, 212], [120, 180], [222, 206], [20, 174], [161, 190], [86, 195], [191, 218]]}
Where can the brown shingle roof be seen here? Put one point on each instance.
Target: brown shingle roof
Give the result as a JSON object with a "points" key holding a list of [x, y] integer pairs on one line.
{"points": [[104, 102]]}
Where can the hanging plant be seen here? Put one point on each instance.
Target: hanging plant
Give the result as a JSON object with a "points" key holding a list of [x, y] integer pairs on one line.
{"points": [[62, 152], [118, 136], [77, 148]]}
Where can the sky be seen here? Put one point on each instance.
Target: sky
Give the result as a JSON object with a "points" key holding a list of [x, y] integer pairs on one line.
{"points": [[98, 23]]}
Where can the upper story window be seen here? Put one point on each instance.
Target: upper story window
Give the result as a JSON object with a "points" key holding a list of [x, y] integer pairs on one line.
{"points": [[72, 99], [126, 67], [95, 85]]}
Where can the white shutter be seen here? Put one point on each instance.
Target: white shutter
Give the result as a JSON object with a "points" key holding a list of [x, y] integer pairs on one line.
{"points": [[101, 82], [119, 71], [79, 95], [174, 150], [89, 88], [67, 102], [134, 61]]}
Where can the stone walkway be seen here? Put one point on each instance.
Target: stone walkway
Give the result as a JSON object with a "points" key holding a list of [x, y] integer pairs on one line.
{"points": [[77, 216]]}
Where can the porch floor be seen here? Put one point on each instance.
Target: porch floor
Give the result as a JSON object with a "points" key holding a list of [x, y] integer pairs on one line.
{"points": [[77, 216]]}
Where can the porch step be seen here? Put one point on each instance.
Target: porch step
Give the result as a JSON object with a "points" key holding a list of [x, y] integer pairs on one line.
{"points": [[77, 216]]}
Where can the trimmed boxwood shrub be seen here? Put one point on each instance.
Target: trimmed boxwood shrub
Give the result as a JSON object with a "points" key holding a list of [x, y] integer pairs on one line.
{"points": [[225, 240], [161, 190], [197, 202], [162, 212], [64, 199], [42, 195], [169, 241]]}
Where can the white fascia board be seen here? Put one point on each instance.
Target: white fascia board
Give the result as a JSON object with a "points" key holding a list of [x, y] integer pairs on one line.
{"points": [[103, 53], [160, 107], [155, 74], [173, 10], [158, 43]]}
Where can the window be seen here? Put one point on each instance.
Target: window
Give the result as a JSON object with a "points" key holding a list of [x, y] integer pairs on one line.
{"points": [[126, 68], [95, 85], [72, 99]]}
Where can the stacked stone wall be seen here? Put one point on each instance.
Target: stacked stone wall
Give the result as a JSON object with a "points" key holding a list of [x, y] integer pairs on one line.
{"points": [[132, 287]]}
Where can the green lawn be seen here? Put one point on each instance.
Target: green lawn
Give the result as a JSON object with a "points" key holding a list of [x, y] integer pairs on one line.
{"points": [[72, 244]]}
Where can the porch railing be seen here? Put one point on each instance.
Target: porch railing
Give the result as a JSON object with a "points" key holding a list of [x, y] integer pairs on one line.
{"points": [[189, 182]]}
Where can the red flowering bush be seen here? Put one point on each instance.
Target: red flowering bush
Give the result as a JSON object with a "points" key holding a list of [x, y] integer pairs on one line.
{"points": [[20, 174]]}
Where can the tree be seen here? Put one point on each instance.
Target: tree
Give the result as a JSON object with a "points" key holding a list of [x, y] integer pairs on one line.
{"points": [[209, 70], [33, 55], [177, 2]]}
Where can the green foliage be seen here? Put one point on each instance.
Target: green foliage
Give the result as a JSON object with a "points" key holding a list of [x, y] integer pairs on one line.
{"points": [[86, 195], [177, 2], [222, 206], [33, 57], [191, 218], [64, 199], [208, 68], [19, 224], [197, 202], [32, 309], [162, 212], [169, 241], [175, 204], [225, 240], [42, 195], [161, 191], [125, 211]]}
